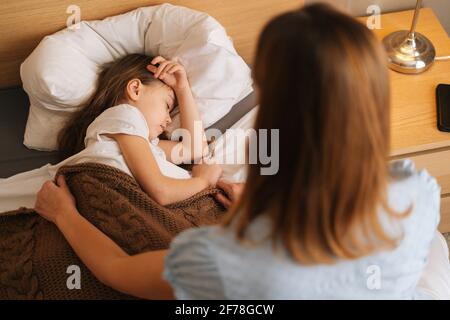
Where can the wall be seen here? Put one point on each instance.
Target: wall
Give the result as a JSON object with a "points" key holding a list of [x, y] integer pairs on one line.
{"points": [[358, 7]]}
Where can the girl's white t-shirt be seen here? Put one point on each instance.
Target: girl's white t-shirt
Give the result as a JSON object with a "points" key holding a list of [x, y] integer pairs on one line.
{"points": [[124, 119]]}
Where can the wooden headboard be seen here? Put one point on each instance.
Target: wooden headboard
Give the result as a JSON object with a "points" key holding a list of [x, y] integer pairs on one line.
{"points": [[23, 23]]}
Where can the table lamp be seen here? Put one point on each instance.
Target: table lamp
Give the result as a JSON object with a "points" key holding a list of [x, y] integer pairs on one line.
{"points": [[409, 51]]}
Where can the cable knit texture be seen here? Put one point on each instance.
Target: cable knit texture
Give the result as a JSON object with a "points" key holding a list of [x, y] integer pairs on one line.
{"points": [[34, 256]]}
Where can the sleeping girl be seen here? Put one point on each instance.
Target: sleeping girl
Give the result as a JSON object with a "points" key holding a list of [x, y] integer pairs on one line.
{"points": [[119, 126]]}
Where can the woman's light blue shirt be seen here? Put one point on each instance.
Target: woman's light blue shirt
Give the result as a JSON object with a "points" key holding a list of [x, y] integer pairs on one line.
{"points": [[209, 263]]}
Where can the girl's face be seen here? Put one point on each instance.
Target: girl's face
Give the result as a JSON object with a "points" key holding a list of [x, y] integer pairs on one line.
{"points": [[155, 101]]}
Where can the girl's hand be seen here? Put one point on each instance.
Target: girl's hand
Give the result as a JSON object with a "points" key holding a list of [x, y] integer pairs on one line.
{"points": [[170, 72], [233, 192], [54, 201], [209, 172]]}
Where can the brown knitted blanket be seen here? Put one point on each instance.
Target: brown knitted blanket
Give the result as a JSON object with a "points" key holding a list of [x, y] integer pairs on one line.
{"points": [[34, 256]]}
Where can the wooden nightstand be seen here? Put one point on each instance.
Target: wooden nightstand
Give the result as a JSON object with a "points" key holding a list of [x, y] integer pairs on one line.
{"points": [[413, 117]]}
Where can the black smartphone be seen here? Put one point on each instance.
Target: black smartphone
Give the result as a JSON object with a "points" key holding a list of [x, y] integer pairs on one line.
{"points": [[443, 107]]}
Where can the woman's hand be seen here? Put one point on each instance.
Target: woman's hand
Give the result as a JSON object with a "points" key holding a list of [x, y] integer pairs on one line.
{"points": [[209, 172], [54, 201], [170, 72], [233, 192]]}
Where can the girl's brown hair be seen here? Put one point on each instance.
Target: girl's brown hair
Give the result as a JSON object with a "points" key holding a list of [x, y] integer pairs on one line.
{"points": [[110, 91], [323, 82]]}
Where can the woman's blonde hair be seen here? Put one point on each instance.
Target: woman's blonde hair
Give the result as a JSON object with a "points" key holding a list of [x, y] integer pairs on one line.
{"points": [[323, 82]]}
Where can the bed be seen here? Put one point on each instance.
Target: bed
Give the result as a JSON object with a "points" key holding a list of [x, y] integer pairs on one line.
{"points": [[32, 20], [16, 158]]}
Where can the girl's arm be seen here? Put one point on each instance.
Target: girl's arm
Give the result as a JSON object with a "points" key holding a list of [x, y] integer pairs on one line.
{"points": [[139, 275], [196, 147], [174, 75], [162, 189]]}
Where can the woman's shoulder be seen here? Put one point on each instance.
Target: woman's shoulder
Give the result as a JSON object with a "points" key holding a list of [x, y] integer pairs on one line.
{"points": [[415, 189], [197, 240], [209, 243], [201, 261], [405, 177], [190, 266]]}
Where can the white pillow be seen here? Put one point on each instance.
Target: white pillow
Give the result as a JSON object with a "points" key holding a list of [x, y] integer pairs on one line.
{"points": [[60, 74]]}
